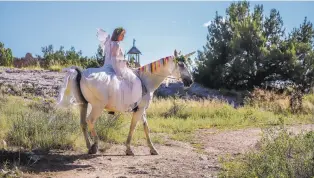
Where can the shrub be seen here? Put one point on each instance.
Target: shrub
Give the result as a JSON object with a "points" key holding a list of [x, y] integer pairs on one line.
{"points": [[280, 154]]}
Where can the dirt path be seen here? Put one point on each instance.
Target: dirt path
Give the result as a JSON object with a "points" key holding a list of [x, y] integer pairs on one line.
{"points": [[175, 159]]}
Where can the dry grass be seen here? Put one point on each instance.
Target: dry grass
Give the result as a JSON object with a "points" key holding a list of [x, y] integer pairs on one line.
{"points": [[281, 154], [27, 123]]}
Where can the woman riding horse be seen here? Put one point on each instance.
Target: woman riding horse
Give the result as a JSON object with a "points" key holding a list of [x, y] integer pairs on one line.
{"points": [[114, 56]]}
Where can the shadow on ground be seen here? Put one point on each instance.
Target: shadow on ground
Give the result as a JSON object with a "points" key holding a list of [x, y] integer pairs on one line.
{"points": [[48, 162]]}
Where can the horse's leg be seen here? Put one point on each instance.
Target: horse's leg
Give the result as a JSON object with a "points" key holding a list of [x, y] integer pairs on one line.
{"points": [[83, 112], [153, 151], [91, 120], [135, 118]]}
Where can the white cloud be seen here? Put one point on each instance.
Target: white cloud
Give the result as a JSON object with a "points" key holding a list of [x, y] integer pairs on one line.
{"points": [[207, 24]]}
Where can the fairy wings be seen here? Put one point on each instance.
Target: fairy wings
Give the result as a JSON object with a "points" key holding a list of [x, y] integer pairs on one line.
{"points": [[104, 39]]}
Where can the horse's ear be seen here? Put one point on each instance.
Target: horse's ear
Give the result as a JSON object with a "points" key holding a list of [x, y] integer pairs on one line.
{"points": [[175, 53]]}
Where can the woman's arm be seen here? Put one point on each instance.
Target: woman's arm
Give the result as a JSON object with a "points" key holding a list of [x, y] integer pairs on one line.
{"points": [[115, 49], [117, 57]]}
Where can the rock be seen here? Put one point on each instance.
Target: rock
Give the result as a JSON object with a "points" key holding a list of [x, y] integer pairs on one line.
{"points": [[203, 158], [3, 145], [44, 83], [31, 82], [131, 167], [195, 92]]}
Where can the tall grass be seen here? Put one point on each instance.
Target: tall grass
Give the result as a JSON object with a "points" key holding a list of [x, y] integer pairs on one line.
{"points": [[34, 124], [26, 126], [29, 123], [280, 155], [167, 115]]}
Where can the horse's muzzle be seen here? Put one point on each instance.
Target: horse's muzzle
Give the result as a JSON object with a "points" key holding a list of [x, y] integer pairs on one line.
{"points": [[187, 82]]}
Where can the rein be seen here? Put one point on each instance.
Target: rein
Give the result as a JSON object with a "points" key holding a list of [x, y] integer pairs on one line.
{"points": [[163, 76]]}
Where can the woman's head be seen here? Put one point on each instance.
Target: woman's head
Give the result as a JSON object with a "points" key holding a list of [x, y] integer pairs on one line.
{"points": [[118, 34]]}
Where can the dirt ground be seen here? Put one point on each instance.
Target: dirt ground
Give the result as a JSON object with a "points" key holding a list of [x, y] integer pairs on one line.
{"points": [[175, 159]]}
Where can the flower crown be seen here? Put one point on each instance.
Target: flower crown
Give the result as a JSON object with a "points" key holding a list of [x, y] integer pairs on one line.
{"points": [[180, 58], [119, 30]]}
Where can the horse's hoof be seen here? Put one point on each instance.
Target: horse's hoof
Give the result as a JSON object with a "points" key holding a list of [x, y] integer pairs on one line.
{"points": [[154, 152], [93, 149], [129, 152]]}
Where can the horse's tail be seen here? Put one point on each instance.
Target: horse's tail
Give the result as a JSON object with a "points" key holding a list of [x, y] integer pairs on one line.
{"points": [[71, 88]]}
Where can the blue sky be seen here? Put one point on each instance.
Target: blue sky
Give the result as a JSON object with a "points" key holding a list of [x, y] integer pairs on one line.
{"points": [[158, 27]]}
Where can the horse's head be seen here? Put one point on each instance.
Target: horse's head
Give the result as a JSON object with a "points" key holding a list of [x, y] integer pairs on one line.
{"points": [[181, 70]]}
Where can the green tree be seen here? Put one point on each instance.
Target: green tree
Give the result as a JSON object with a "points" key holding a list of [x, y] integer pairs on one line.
{"points": [[6, 56], [233, 56], [69, 57], [99, 56], [211, 61], [245, 50], [301, 61]]}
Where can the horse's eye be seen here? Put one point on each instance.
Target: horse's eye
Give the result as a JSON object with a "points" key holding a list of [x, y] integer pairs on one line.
{"points": [[180, 64]]}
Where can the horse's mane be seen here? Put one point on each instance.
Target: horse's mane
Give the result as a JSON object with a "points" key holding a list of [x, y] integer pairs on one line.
{"points": [[155, 65]]}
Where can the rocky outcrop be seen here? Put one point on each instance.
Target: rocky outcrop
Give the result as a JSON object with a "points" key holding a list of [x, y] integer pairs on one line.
{"points": [[26, 61], [46, 83], [22, 82], [173, 87]]}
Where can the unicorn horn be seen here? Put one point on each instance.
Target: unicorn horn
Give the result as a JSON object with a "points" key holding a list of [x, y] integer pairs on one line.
{"points": [[190, 54]]}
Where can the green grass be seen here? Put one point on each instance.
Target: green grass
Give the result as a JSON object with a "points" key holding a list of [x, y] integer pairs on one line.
{"points": [[34, 67], [8, 171], [27, 126], [280, 155], [26, 122], [56, 68], [34, 124], [207, 114]]}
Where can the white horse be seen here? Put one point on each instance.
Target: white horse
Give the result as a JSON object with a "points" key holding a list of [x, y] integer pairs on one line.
{"points": [[96, 85]]}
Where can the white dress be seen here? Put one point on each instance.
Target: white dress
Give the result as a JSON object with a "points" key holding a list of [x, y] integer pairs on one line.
{"points": [[130, 85]]}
